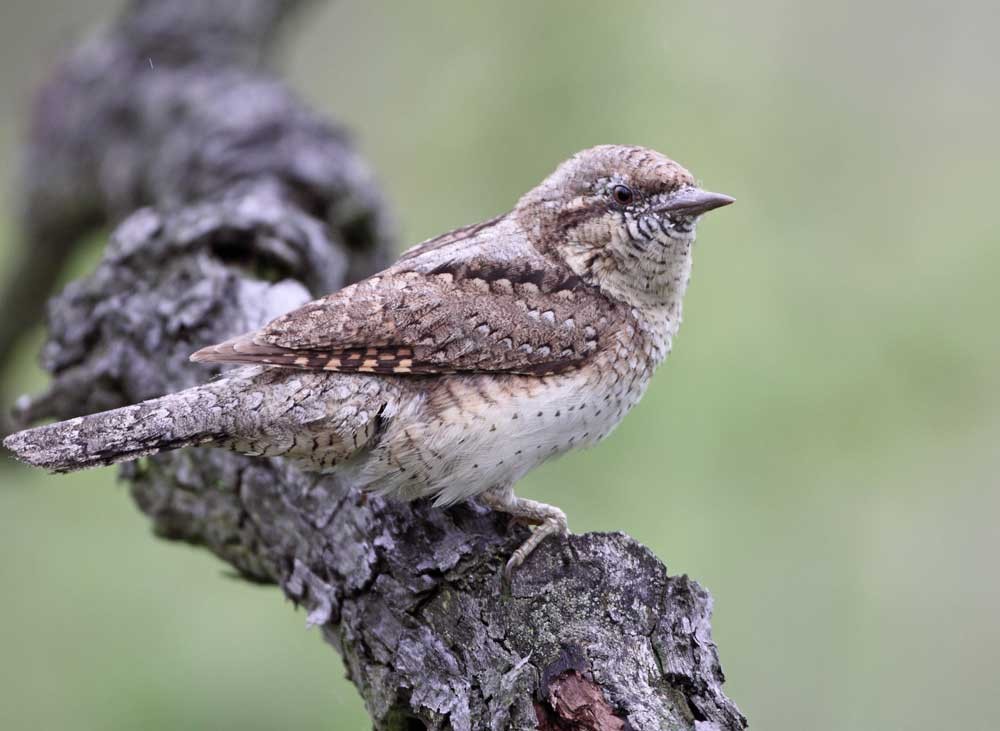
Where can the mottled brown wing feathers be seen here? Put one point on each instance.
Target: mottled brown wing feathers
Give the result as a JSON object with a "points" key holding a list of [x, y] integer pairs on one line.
{"points": [[387, 359], [451, 237], [465, 320]]}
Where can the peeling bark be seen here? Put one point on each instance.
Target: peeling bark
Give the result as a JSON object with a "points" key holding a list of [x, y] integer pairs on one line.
{"points": [[256, 203], [576, 702]]}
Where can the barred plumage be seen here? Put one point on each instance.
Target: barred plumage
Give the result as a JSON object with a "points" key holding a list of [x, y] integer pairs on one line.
{"points": [[451, 374]]}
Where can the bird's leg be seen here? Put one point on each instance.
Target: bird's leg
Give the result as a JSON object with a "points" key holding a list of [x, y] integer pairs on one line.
{"points": [[549, 520]]}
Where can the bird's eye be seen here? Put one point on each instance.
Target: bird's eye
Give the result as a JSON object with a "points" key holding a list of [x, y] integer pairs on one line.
{"points": [[622, 194]]}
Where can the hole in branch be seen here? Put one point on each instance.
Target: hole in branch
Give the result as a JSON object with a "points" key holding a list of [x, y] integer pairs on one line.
{"points": [[235, 247]]}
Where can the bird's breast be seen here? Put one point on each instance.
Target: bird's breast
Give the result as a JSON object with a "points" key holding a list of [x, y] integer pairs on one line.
{"points": [[474, 432]]}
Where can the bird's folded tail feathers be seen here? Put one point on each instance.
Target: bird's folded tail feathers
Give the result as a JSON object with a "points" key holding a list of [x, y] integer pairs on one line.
{"points": [[183, 419]]}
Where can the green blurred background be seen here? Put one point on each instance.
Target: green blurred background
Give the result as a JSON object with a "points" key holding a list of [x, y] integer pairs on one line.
{"points": [[821, 450]]}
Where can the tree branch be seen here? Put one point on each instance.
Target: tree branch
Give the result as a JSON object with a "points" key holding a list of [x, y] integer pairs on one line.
{"points": [[258, 204]]}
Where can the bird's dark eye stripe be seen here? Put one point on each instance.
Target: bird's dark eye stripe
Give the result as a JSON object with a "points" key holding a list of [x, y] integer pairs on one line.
{"points": [[622, 194]]}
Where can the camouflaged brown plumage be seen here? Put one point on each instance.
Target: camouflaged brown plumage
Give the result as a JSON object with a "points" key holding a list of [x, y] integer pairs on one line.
{"points": [[477, 356]]}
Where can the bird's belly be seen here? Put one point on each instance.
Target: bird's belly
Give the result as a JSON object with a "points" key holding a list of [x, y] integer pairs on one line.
{"points": [[471, 433]]}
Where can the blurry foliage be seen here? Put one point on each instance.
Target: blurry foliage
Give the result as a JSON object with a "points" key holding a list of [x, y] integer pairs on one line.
{"points": [[820, 450]]}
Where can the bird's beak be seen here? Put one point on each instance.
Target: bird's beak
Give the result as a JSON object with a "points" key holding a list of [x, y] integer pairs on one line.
{"points": [[693, 201]]}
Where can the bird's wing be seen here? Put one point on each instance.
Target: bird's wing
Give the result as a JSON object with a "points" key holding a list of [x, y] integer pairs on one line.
{"points": [[452, 240], [468, 316]]}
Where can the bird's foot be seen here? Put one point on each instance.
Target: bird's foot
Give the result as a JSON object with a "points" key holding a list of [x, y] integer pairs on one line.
{"points": [[548, 519]]}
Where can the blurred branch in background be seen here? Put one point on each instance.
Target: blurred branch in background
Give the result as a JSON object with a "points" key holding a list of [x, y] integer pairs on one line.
{"points": [[87, 155], [115, 128], [257, 205]]}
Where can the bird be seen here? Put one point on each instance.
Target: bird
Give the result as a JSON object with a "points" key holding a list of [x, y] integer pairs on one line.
{"points": [[475, 357]]}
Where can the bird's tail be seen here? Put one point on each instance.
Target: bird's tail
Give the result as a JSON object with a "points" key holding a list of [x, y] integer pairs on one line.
{"points": [[182, 419]]}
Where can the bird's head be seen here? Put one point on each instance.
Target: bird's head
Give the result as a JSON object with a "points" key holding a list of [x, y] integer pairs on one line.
{"points": [[623, 218]]}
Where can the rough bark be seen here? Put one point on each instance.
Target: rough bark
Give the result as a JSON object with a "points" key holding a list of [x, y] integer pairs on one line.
{"points": [[257, 204]]}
